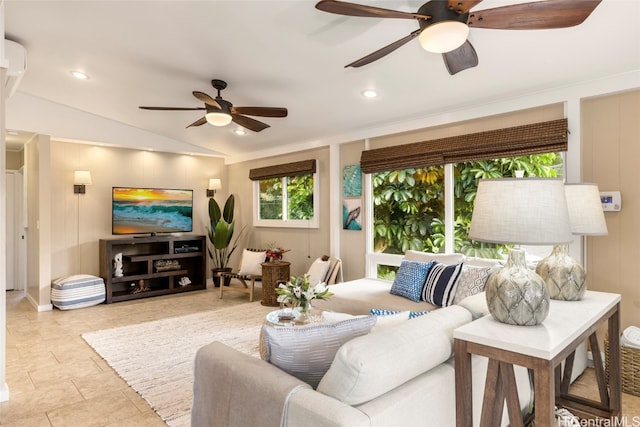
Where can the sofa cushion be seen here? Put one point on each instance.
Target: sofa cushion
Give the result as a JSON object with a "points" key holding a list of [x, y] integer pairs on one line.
{"points": [[447, 259], [306, 352], [482, 262], [389, 319], [440, 287], [471, 281], [410, 279], [476, 305], [361, 295], [360, 371]]}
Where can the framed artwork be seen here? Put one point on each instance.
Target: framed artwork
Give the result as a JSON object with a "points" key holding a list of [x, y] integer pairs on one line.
{"points": [[351, 214], [352, 181]]}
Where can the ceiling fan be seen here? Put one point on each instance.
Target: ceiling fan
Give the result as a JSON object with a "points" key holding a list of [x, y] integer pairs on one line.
{"points": [[444, 24], [220, 112]]}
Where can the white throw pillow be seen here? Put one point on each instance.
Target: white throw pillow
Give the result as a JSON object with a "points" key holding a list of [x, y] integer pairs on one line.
{"points": [[318, 271], [361, 370], [251, 263]]}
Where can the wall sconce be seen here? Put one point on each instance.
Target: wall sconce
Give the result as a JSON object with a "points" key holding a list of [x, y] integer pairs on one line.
{"points": [[80, 179], [214, 184]]}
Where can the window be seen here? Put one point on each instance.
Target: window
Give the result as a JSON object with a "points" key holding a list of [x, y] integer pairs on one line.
{"points": [[423, 192], [409, 206], [289, 200]]}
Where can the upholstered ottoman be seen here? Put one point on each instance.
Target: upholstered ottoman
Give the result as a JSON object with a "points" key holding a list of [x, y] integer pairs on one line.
{"points": [[77, 291]]}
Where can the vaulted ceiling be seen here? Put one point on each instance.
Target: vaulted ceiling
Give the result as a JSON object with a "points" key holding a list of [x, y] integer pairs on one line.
{"points": [[280, 53]]}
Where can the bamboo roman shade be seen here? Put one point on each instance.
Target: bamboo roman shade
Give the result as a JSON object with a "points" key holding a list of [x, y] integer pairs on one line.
{"points": [[287, 169], [536, 138]]}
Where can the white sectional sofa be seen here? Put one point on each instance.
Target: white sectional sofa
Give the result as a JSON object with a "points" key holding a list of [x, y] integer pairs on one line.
{"points": [[399, 374]]}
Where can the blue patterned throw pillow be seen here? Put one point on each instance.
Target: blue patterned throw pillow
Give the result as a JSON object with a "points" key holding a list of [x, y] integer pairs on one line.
{"points": [[410, 279], [440, 287], [383, 312]]}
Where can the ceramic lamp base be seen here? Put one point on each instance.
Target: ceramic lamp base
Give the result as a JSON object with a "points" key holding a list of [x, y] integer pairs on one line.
{"points": [[565, 278], [516, 295]]}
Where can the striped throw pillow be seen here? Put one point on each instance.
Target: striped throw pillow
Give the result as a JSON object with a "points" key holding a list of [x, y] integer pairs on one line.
{"points": [[440, 287]]}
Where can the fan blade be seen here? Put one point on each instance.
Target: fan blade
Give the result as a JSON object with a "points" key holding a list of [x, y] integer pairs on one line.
{"points": [[352, 9], [534, 16], [206, 99], [461, 58], [261, 111], [384, 51], [462, 6], [248, 122], [198, 122], [173, 108]]}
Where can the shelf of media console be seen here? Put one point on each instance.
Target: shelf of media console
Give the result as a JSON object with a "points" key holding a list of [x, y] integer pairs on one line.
{"points": [[155, 257]]}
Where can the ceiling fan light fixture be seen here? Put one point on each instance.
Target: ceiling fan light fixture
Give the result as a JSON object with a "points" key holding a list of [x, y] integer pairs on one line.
{"points": [[218, 118], [444, 36]]}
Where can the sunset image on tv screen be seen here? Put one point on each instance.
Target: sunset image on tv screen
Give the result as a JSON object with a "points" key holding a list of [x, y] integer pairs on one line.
{"points": [[151, 210]]}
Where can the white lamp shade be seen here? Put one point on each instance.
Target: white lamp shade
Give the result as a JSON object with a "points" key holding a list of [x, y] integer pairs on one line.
{"points": [[531, 211], [215, 184], [444, 36], [585, 209], [82, 178], [218, 119]]}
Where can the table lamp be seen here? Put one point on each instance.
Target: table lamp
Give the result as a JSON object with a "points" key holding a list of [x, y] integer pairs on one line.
{"points": [[564, 276], [527, 211]]}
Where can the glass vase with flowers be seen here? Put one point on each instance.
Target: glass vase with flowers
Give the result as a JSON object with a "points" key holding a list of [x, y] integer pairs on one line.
{"points": [[298, 293]]}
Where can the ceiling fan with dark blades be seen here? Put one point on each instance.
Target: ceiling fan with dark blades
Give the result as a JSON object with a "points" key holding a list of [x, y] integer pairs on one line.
{"points": [[444, 24], [220, 112]]}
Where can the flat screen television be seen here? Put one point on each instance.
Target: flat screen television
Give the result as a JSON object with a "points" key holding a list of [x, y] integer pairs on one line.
{"points": [[137, 210]]}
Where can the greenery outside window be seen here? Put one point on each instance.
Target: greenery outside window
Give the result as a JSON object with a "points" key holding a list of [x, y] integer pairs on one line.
{"points": [[409, 205], [287, 201]]}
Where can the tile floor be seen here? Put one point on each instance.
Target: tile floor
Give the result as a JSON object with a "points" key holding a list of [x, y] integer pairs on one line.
{"points": [[56, 379]]}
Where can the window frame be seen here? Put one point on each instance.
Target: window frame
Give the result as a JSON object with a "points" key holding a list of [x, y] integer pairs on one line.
{"points": [[285, 222], [374, 259]]}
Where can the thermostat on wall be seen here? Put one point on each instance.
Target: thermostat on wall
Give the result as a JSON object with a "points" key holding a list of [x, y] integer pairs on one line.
{"points": [[611, 200]]}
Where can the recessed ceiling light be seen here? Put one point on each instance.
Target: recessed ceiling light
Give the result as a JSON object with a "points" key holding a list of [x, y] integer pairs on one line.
{"points": [[240, 131], [369, 93], [79, 75]]}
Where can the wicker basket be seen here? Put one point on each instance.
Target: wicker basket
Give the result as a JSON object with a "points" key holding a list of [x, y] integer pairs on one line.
{"points": [[629, 367]]}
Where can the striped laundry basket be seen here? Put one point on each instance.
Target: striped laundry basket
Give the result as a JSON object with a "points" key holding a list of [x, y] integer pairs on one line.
{"points": [[77, 291]]}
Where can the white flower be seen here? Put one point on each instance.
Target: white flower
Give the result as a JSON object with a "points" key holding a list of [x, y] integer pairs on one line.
{"points": [[320, 288], [283, 298], [309, 295]]}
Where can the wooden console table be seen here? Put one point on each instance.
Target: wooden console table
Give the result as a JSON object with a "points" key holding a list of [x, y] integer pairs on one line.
{"points": [[272, 274], [541, 349]]}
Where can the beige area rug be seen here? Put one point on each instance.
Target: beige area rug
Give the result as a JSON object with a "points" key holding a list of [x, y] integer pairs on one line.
{"points": [[156, 358]]}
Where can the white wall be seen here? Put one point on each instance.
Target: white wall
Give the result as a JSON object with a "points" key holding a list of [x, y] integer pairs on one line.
{"points": [[79, 221]]}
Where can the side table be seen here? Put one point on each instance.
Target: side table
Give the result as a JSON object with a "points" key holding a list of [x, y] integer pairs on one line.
{"points": [[272, 274], [541, 349]]}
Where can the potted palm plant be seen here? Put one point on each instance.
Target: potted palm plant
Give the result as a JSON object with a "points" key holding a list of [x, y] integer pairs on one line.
{"points": [[220, 232]]}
